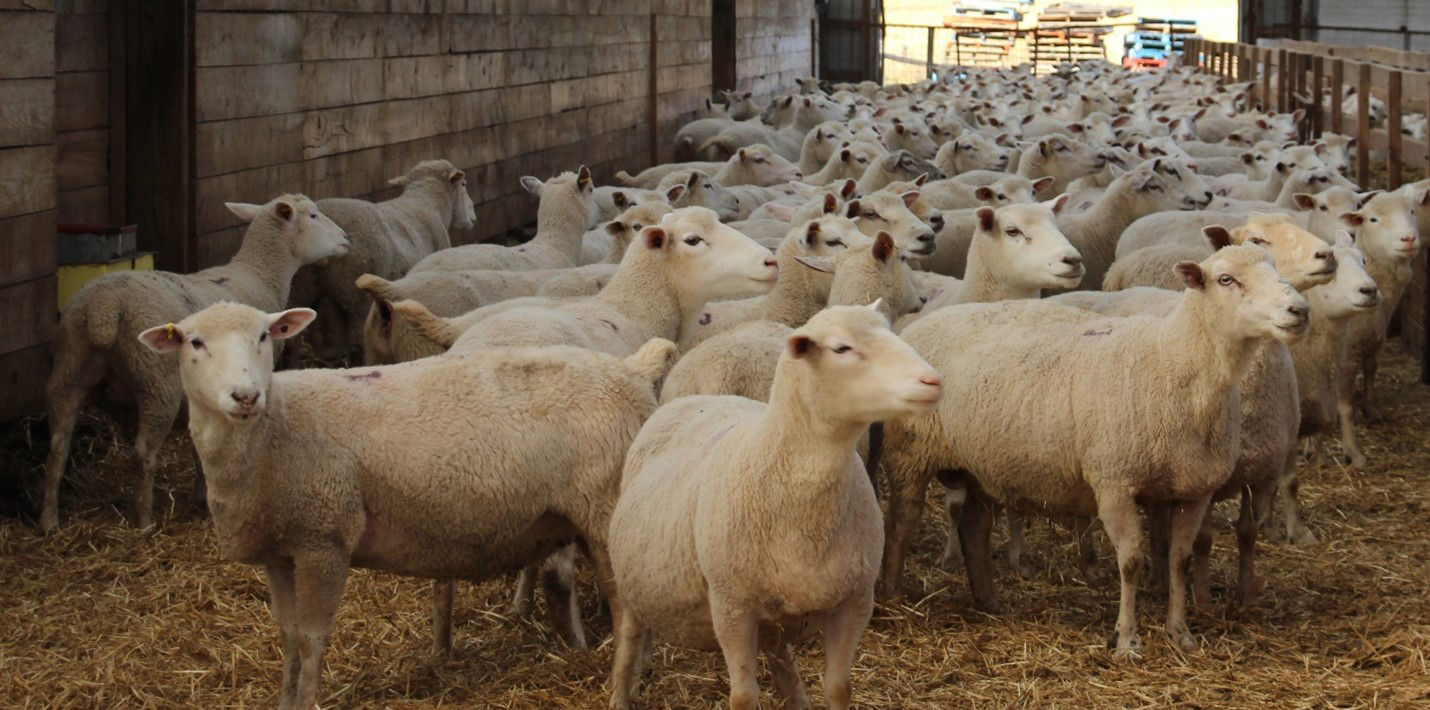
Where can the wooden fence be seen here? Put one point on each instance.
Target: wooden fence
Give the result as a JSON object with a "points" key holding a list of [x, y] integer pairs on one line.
{"points": [[1286, 75]]}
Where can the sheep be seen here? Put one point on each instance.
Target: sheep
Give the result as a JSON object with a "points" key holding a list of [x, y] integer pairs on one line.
{"points": [[1010, 189], [914, 138], [1390, 250], [798, 293], [607, 243], [313, 472], [898, 165], [385, 238], [757, 166], [612, 201], [850, 161], [94, 341], [1062, 158], [821, 143], [742, 361], [883, 212], [784, 136], [1302, 257], [693, 134], [1335, 151], [564, 214], [735, 571], [1319, 359], [452, 293], [700, 191], [972, 151], [664, 281], [1136, 446]]}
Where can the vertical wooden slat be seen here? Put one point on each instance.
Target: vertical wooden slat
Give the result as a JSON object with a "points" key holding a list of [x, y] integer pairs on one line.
{"points": [[1338, 80], [928, 59], [652, 106], [1392, 129], [115, 28], [1318, 79], [814, 46], [1265, 97], [1363, 126], [1282, 76]]}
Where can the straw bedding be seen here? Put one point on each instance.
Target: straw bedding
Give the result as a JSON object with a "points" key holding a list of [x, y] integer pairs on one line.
{"points": [[101, 615]]}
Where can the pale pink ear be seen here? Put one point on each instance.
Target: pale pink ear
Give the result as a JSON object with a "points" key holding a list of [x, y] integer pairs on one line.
{"points": [[1352, 219], [654, 237], [399, 181], [1043, 183], [163, 338], [910, 198], [1060, 202], [1217, 236], [243, 210], [984, 194], [1304, 201], [674, 193], [800, 346], [286, 324]]}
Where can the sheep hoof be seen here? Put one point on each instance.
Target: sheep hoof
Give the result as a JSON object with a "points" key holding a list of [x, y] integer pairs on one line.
{"points": [[990, 606], [1182, 638], [49, 522], [1303, 536], [951, 561], [1129, 651], [1357, 461]]}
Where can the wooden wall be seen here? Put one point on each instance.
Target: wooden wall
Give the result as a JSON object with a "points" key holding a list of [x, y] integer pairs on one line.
{"points": [[334, 103], [773, 44], [27, 200], [82, 110]]}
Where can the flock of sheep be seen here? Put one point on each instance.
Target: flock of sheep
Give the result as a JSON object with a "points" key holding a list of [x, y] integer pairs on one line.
{"points": [[705, 378]]}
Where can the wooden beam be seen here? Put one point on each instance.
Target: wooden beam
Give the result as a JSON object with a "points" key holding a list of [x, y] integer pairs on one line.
{"points": [[1338, 80], [1318, 79], [652, 108], [1363, 127], [1392, 127], [158, 128], [1265, 80]]}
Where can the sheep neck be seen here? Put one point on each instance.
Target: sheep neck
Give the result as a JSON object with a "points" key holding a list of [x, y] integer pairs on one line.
{"points": [[795, 297], [1095, 232], [229, 450], [644, 293], [732, 172], [981, 282], [435, 195], [1209, 360], [265, 255], [561, 222], [809, 449]]}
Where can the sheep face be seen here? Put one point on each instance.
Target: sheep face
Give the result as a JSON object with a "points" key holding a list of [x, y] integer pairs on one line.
{"points": [[464, 213], [915, 138], [855, 370], [1012, 190], [1151, 191], [972, 151], [1280, 127], [766, 166], [1335, 151], [1068, 158], [1386, 228], [1304, 259], [875, 271], [883, 212], [826, 138], [1246, 294], [226, 354], [566, 189], [700, 191], [1352, 291], [1026, 242], [709, 260], [625, 227], [1181, 178], [312, 237]]}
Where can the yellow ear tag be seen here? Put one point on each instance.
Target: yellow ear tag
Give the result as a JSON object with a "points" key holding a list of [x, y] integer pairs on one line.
{"points": [[169, 331]]}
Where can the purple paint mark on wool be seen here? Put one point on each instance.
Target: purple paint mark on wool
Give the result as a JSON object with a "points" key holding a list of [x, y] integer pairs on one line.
{"points": [[374, 375], [1096, 332], [614, 327], [705, 319]]}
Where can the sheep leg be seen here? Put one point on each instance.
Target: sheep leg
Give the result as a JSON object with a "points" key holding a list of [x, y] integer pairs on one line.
{"points": [[1290, 489], [842, 630], [1092, 574], [1201, 561], [66, 398], [953, 549], [1186, 520], [558, 582], [319, 580], [1124, 529], [444, 596], [1345, 410], [906, 507], [1369, 365], [784, 671], [630, 636], [525, 595], [975, 530], [738, 633], [157, 413], [200, 492], [1017, 547], [282, 598], [1255, 503]]}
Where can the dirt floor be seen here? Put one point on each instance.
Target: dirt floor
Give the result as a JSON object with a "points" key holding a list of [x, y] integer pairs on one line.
{"points": [[102, 616]]}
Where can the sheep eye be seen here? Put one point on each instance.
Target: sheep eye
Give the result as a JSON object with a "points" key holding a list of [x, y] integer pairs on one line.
{"points": [[313, 217], [1062, 149], [1323, 208], [263, 337], [871, 214], [1002, 197], [198, 343], [759, 160], [1257, 240], [1013, 231], [1375, 220], [842, 349], [1225, 280], [636, 226], [1156, 187], [693, 239], [834, 243], [708, 186], [863, 160]]}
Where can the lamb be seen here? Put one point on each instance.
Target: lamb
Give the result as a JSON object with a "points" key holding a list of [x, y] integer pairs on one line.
{"points": [[693, 134], [734, 570], [973, 151], [1390, 250], [385, 238], [700, 191], [742, 361], [914, 138], [1302, 257], [883, 212], [752, 165], [896, 166], [94, 342], [1133, 447], [1335, 151], [820, 144], [564, 214], [850, 161], [1011, 189], [459, 507], [798, 293], [1062, 158], [607, 244], [612, 201]]}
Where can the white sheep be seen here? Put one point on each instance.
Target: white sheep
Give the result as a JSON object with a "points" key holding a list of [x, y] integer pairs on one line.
{"points": [[95, 341], [972, 151], [386, 239], [612, 201], [315, 471], [1130, 444], [564, 214], [1302, 257], [950, 194], [768, 529]]}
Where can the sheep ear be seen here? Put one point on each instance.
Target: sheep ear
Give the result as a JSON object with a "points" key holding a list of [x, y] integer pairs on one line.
{"points": [[1365, 197], [1320, 148], [850, 185], [1057, 204], [851, 210], [1191, 273], [845, 155], [1043, 148], [984, 193], [883, 247], [800, 346], [456, 176], [532, 185], [618, 198], [583, 178], [692, 180], [910, 198], [741, 154], [1248, 158], [284, 211], [163, 338], [831, 204], [985, 218], [1002, 139], [1352, 219], [243, 210], [780, 212], [1344, 238], [1217, 236], [811, 233], [921, 179], [891, 163], [1304, 201], [615, 228], [1298, 115], [674, 193], [654, 237], [399, 181], [899, 128], [286, 324], [1121, 121], [384, 313], [1042, 183], [818, 263]]}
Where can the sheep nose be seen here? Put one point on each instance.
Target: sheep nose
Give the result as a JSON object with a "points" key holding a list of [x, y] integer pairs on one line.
{"points": [[772, 262], [1408, 239], [1072, 260], [1298, 310], [932, 380], [1326, 255], [926, 237], [246, 396], [937, 222], [1369, 290]]}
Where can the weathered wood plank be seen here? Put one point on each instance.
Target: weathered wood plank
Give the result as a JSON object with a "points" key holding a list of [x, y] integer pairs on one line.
{"points": [[81, 42], [83, 159], [244, 143], [27, 45], [27, 112], [27, 247], [27, 180], [237, 38], [30, 314], [22, 379], [242, 91], [81, 100], [85, 205]]}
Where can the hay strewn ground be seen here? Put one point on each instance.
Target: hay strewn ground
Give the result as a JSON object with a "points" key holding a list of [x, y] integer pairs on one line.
{"points": [[101, 616]]}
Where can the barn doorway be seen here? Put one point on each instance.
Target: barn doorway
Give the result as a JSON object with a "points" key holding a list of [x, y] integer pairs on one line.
{"points": [[722, 45]]}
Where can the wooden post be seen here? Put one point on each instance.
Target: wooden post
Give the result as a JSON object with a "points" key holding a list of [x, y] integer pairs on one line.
{"points": [[866, 34], [653, 104], [1246, 69], [1281, 81], [1303, 65], [814, 46], [115, 26], [1318, 78], [1338, 79], [1363, 127], [1266, 80], [1392, 129], [928, 68]]}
